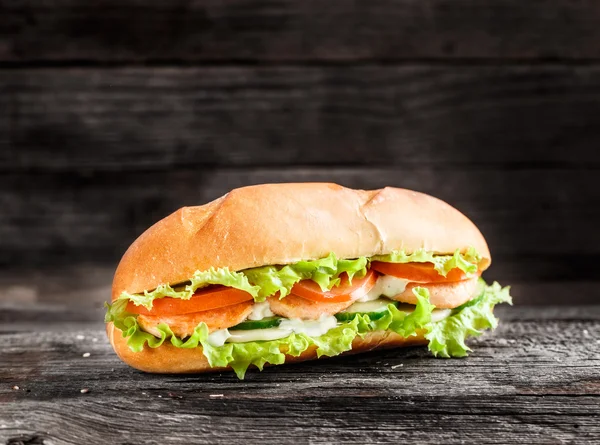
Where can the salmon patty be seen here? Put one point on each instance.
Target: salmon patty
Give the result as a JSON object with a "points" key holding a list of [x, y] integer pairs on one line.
{"points": [[294, 306], [441, 295], [183, 325]]}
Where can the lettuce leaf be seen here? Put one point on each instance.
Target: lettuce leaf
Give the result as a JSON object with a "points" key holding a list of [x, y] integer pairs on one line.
{"points": [[240, 356], [467, 262], [325, 272], [200, 279], [336, 340], [447, 337], [262, 282]]}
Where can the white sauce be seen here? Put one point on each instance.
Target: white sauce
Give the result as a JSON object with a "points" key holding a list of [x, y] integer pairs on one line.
{"points": [[369, 306], [387, 286], [260, 311], [382, 303], [440, 314], [257, 335], [312, 328], [218, 338]]}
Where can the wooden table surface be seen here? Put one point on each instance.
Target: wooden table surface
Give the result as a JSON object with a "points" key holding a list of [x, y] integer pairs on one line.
{"points": [[536, 379]]}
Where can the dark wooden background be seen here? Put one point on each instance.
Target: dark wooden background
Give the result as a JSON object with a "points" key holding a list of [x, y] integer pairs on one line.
{"points": [[115, 113]]}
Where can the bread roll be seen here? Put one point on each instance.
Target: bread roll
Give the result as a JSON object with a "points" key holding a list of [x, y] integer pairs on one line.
{"points": [[285, 223], [278, 224]]}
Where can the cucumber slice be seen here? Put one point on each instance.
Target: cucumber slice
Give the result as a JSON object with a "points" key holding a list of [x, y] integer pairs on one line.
{"points": [[375, 309], [348, 316], [265, 323]]}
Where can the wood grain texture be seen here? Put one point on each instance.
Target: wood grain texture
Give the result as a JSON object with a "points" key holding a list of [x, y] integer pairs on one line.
{"points": [[535, 380], [93, 218], [165, 118], [339, 30]]}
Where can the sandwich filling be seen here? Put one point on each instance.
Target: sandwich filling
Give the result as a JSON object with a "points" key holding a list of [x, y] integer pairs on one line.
{"points": [[259, 315]]}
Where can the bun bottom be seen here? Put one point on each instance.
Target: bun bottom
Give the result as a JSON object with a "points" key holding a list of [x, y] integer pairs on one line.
{"points": [[167, 359]]}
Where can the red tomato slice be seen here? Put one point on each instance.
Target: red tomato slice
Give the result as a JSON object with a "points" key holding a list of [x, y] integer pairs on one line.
{"points": [[417, 272], [213, 297], [310, 290]]}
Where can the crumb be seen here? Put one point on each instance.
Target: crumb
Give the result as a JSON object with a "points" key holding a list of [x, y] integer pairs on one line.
{"points": [[216, 395], [80, 337], [585, 332], [84, 391], [159, 396], [16, 388], [398, 366], [86, 355]]}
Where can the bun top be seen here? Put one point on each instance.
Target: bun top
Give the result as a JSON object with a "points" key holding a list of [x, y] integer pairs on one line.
{"points": [[285, 223]]}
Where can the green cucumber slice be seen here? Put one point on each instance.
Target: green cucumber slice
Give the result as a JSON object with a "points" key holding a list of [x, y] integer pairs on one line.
{"points": [[348, 316], [265, 323], [375, 309]]}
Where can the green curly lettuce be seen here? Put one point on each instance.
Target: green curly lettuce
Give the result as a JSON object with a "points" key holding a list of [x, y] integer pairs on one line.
{"points": [[447, 337], [200, 279], [325, 272], [467, 261], [262, 282], [240, 356]]}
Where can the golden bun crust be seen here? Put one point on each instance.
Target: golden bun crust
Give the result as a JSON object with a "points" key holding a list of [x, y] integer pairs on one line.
{"points": [[168, 359], [285, 223]]}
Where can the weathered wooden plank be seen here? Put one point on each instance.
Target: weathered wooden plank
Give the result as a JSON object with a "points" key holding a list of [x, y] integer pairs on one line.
{"points": [[104, 212], [138, 119], [209, 30], [535, 380]]}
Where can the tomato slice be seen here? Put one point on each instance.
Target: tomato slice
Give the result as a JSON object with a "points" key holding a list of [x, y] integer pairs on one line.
{"points": [[213, 297], [310, 290], [417, 272]]}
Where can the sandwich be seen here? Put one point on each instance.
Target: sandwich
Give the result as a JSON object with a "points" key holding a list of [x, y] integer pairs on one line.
{"points": [[280, 273]]}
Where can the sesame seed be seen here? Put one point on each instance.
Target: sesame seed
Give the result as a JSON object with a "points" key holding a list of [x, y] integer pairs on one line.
{"points": [[86, 355], [84, 391]]}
